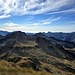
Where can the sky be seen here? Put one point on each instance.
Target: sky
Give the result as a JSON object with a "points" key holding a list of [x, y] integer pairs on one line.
{"points": [[37, 15]]}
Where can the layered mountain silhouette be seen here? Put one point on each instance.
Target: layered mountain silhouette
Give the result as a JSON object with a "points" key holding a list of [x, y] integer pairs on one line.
{"points": [[4, 33], [62, 36], [58, 35], [39, 52]]}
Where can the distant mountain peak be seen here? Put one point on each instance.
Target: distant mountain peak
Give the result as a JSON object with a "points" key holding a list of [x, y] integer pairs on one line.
{"points": [[16, 34], [4, 33], [39, 35]]}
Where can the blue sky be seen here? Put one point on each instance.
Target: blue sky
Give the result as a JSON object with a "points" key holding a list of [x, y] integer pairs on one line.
{"points": [[37, 15]]}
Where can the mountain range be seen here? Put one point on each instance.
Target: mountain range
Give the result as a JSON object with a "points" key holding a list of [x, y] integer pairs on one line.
{"points": [[4, 33], [58, 35], [38, 54], [62, 36]]}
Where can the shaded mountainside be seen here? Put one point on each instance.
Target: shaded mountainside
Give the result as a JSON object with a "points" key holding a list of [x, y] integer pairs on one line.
{"points": [[54, 49], [17, 36], [37, 53], [62, 36], [1, 37], [4, 33]]}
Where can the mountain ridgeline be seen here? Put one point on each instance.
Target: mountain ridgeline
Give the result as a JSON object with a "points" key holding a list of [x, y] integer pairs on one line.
{"points": [[4, 33], [62, 36], [39, 52]]}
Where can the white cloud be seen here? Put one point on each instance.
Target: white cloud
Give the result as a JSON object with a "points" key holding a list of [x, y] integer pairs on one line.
{"points": [[46, 23], [55, 19], [10, 26], [50, 20], [4, 16], [72, 10], [22, 7], [29, 18]]}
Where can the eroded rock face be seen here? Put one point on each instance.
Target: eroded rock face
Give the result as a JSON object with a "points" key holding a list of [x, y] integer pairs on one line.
{"points": [[31, 63]]}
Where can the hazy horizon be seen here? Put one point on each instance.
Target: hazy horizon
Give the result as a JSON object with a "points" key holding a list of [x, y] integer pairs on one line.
{"points": [[37, 32]]}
